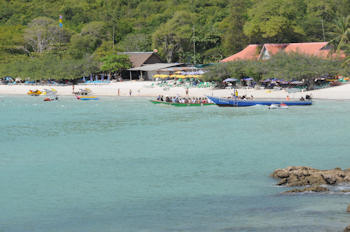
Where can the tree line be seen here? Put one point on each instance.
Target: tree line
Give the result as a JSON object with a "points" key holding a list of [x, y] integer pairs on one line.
{"points": [[291, 66], [189, 31]]}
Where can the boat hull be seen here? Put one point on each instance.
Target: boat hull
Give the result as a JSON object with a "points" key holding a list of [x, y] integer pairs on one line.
{"points": [[87, 98], [223, 102], [181, 104]]}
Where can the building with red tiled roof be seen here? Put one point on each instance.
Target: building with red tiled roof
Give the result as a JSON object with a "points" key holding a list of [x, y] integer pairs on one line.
{"points": [[319, 49], [251, 52], [269, 50]]}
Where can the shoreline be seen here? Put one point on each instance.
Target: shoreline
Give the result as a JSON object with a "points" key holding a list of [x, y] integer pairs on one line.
{"points": [[149, 89]]}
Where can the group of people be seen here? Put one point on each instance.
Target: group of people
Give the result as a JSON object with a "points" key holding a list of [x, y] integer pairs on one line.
{"points": [[243, 97], [183, 100], [307, 98]]}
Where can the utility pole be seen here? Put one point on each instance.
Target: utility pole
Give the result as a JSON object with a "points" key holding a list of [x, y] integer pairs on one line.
{"points": [[324, 37], [194, 44], [113, 35], [194, 37]]}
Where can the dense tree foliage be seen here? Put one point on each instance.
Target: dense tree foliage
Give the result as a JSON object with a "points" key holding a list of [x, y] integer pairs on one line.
{"points": [[29, 30], [292, 66]]}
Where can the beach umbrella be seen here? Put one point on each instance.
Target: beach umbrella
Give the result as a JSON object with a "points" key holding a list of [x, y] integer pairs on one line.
{"points": [[180, 76], [296, 82], [230, 80], [8, 78], [163, 76]]}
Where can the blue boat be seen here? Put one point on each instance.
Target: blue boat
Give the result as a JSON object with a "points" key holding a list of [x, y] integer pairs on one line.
{"points": [[243, 103]]}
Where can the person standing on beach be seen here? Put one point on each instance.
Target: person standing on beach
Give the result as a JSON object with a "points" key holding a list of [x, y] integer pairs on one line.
{"points": [[236, 94], [186, 91], [130, 92], [118, 92]]}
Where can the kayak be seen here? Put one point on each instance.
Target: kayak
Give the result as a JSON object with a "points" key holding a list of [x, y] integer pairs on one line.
{"points": [[181, 104], [87, 98]]}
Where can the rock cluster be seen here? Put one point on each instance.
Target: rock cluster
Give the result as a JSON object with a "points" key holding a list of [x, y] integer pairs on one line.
{"points": [[302, 176], [315, 188], [347, 229]]}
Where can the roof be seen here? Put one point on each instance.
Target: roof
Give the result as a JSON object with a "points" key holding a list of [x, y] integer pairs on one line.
{"points": [[274, 48], [139, 58], [315, 49], [154, 67], [175, 69], [319, 49], [249, 53]]}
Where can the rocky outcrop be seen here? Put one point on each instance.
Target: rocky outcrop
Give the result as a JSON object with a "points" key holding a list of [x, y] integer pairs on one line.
{"points": [[347, 229], [316, 189], [302, 176], [348, 209]]}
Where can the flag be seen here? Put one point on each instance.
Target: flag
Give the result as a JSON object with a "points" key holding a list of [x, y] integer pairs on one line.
{"points": [[60, 21]]}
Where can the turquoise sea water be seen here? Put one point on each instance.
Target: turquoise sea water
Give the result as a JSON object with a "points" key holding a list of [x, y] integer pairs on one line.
{"points": [[126, 165]]}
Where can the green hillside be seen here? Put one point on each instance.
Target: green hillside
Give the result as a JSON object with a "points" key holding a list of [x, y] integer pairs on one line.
{"points": [[30, 35]]}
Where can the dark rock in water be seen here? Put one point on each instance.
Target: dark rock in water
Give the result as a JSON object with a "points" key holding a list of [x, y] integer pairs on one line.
{"points": [[348, 209], [303, 176], [316, 189], [347, 229]]}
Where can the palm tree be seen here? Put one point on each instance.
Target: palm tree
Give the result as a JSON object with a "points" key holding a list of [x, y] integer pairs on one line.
{"points": [[341, 34]]}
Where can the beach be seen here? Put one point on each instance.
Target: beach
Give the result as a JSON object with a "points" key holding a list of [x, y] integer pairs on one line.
{"points": [[150, 89]]}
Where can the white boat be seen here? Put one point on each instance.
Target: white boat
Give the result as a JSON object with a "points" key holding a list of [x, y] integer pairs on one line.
{"points": [[283, 106], [273, 106]]}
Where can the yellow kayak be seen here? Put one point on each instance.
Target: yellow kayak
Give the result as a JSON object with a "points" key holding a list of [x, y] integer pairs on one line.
{"points": [[34, 93]]}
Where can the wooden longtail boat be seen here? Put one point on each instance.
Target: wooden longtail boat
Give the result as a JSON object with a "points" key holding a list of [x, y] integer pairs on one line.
{"points": [[181, 104], [243, 103]]}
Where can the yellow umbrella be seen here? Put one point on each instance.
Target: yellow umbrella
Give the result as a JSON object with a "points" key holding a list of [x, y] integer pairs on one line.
{"points": [[180, 76], [160, 76]]}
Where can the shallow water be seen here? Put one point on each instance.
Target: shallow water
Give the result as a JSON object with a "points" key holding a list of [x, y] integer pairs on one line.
{"points": [[127, 165]]}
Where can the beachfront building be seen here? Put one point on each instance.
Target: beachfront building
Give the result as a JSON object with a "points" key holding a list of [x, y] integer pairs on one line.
{"points": [[147, 71], [265, 51], [139, 59]]}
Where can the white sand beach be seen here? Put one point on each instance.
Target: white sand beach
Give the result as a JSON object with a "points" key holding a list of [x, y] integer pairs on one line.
{"points": [[150, 89]]}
